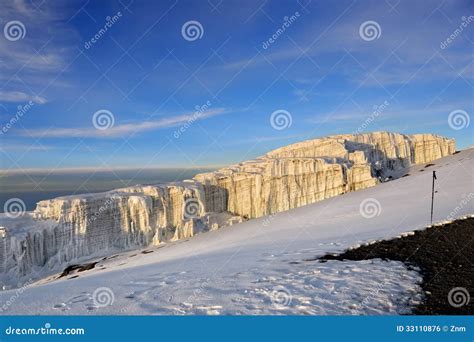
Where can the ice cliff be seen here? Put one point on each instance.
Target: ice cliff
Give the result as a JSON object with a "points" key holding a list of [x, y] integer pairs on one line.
{"points": [[67, 229]]}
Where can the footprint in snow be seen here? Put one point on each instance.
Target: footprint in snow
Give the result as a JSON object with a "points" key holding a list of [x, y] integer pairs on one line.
{"points": [[61, 306], [81, 298]]}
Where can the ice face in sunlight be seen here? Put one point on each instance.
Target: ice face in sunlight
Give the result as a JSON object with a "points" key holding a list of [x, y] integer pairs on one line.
{"points": [[73, 227]]}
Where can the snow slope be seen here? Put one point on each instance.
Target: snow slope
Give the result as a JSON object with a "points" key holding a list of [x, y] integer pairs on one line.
{"points": [[259, 267]]}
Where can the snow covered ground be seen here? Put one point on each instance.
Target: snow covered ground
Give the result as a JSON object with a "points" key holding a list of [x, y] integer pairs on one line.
{"points": [[259, 267]]}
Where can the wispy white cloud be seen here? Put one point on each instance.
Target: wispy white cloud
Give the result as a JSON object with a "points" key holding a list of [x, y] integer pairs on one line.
{"points": [[123, 129], [19, 147], [398, 57], [261, 139], [392, 112], [18, 96], [44, 51], [339, 116]]}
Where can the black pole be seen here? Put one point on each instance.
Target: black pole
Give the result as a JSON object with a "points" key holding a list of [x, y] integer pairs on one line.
{"points": [[432, 195]]}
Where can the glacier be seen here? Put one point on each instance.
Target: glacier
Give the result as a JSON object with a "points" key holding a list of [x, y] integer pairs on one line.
{"points": [[79, 227], [263, 266]]}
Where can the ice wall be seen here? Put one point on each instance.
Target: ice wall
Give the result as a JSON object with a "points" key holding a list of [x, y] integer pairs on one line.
{"points": [[67, 229], [317, 169]]}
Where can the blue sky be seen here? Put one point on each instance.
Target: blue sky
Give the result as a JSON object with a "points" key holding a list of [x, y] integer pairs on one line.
{"points": [[321, 71]]}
